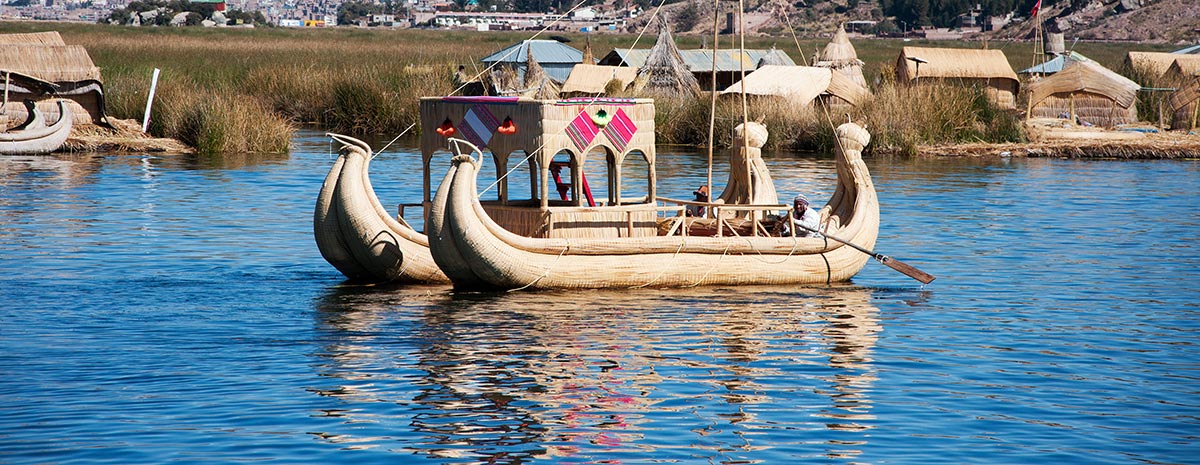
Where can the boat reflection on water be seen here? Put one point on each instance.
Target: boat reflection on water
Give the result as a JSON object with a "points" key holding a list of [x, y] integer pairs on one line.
{"points": [[752, 373]]}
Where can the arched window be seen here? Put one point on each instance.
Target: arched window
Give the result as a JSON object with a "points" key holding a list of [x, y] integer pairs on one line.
{"points": [[634, 178]]}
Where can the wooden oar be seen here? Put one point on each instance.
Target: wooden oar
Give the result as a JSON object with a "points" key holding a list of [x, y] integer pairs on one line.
{"points": [[892, 263]]}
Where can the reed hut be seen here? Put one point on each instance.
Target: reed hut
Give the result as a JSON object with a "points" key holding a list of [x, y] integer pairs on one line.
{"points": [[839, 55], [985, 69], [1085, 92], [664, 74], [555, 58], [597, 80], [1149, 64], [44, 56], [728, 67], [1183, 69], [1185, 105]]}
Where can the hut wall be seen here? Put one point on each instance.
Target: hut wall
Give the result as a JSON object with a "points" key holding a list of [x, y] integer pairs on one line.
{"points": [[1186, 117], [1088, 107]]}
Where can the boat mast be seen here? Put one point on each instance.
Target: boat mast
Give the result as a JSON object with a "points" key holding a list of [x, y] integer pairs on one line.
{"points": [[745, 109], [712, 109]]}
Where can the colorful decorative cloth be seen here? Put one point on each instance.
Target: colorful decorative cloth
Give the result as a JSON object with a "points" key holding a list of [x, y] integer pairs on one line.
{"points": [[478, 125], [620, 130], [582, 131]]}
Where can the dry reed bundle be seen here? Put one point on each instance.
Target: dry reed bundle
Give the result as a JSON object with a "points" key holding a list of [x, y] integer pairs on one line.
{"points": [[124, 136], [32, 38], [538, 84], [54, 63], [1153, 146], [665, 74], [840, 56], [595, 79], [588, 57]]}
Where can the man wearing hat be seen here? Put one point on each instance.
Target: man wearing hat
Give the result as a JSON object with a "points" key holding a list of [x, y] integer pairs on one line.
{"points": [[804, 218]]}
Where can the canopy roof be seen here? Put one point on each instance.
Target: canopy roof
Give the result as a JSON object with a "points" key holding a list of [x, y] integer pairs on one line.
{"points": [[800, 84], [954, 63], [592, 79], [56, 63], [1086, 76]]}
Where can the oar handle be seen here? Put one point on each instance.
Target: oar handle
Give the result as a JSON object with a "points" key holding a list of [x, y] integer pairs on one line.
{"points": [[908, 270]]}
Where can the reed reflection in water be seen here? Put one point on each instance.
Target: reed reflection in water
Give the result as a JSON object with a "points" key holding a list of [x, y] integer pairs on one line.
{"points": [[505, 378]]}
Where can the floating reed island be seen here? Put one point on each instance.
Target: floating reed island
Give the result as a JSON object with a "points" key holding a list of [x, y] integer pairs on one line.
{"points": [[226, 90]]}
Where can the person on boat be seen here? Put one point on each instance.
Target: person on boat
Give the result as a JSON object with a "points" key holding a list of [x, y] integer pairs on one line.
{"points": [[803, 216], [701, 196]]}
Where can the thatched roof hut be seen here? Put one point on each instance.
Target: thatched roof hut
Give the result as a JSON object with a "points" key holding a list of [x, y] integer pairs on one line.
{"points": [[1087, 92], [32, 38], [69, 67], [1185, 105], [1150, 64], [1183, 69], [840, 56], [664, 73], [987, 69], [595, 79]]}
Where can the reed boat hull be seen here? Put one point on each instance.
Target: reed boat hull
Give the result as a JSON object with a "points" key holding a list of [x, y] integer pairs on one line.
{"points": [[483, 254], [355, 233], [35, 137]]}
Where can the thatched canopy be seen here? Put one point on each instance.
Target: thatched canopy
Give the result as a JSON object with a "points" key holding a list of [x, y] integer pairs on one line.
{"points": [[54, 63], [953, 63], [986, 68], [593, 79], [1185, 105], [1183, 68], [1152, 64], [799, 84], [1086, 90], [1086, 76], [32, 38], [538, 84], [839, 55], [665, 73]]}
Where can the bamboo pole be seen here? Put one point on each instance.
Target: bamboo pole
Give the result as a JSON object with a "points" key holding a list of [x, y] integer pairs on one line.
{"points": [[745, 107], [712, 110]]}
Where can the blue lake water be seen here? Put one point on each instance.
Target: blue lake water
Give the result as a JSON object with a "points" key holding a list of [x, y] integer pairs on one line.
{"points": [[174, 309]]}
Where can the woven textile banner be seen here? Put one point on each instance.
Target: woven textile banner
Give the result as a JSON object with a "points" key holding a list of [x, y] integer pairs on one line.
{"points": [[620, 130], [478, 125], [582, 131]]}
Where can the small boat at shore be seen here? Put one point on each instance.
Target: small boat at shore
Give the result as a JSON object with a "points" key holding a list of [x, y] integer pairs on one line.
{"points": [[475, 251], [33, 136]]}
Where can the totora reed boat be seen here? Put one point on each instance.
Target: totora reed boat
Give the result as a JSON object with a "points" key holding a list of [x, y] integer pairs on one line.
{"points": [[560, 235], [476, 251]]}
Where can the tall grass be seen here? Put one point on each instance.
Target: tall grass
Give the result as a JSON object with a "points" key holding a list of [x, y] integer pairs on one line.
{"points": [[238, 89]]}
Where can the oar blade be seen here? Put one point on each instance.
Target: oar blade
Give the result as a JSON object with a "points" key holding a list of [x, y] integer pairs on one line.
{"points": [[908, 270]]}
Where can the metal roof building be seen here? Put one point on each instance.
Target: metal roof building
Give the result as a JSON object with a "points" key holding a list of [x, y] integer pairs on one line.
{"points": [[1055, 65], [700, 62], [555, 57]]}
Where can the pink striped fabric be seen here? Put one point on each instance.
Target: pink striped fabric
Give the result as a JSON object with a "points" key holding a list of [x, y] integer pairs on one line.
{"points": [[620, 130], [582, 131]]}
